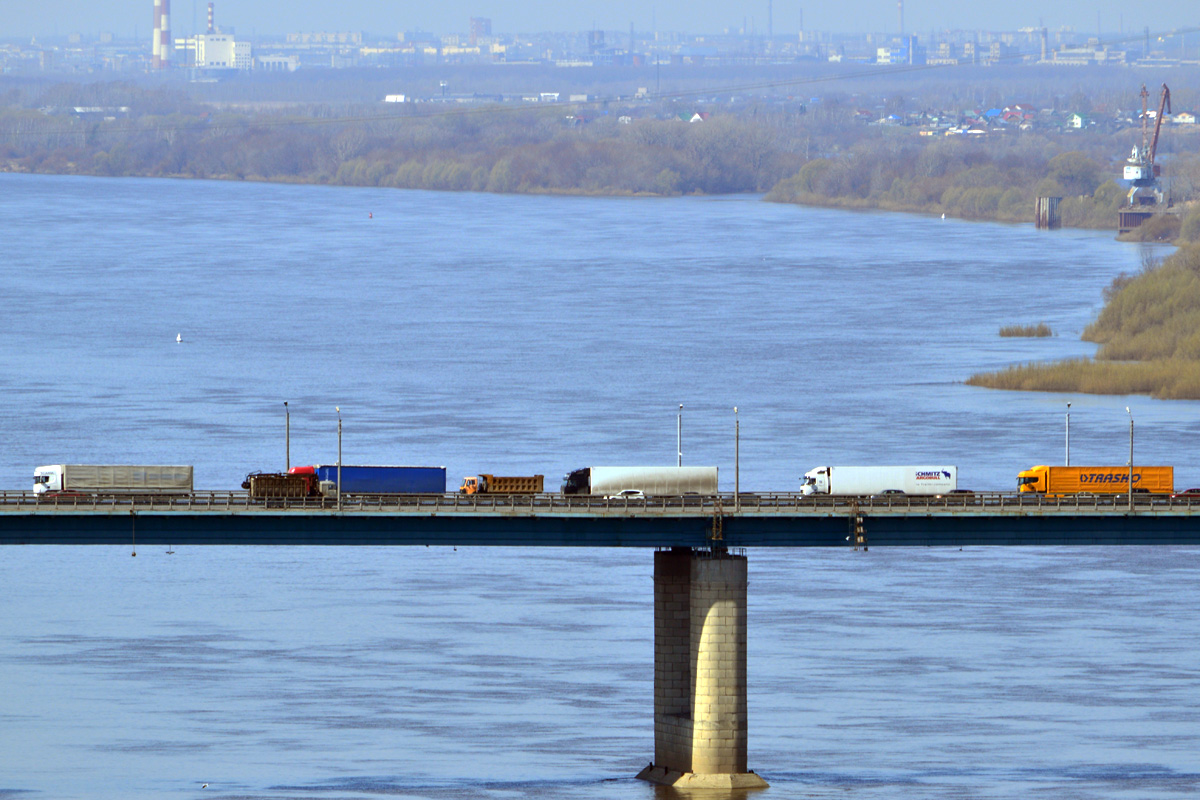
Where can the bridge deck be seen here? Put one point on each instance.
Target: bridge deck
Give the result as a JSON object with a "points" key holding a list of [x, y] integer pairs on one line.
{"points": [[758, 520]]}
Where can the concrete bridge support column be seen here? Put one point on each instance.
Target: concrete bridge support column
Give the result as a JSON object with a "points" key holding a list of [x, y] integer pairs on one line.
{"points": [[700, 726]]}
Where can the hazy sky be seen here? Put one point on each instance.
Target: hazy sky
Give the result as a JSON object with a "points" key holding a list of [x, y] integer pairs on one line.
{"points": [[21, 18]]}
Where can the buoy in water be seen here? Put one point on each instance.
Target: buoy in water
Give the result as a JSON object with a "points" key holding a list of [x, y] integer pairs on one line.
{"points": [[178, 338]]}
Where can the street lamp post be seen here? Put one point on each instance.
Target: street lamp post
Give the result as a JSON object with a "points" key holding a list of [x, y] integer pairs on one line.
{"points": [[679, 436], [1130, 413], [338, 409], [1068, 434], [287, 438], [737, 465]]}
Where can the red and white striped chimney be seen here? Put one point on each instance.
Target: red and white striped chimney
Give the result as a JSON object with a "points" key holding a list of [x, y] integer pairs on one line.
{"points": [[165, 45], [211, 29], [156, 52]]}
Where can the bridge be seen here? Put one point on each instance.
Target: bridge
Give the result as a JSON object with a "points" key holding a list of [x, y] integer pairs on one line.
{"points": [[552, 520], [700, 567]]}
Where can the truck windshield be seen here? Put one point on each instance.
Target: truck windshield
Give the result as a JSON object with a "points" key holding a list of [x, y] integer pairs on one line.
{"points": [[1026, 481], [41, 478]]}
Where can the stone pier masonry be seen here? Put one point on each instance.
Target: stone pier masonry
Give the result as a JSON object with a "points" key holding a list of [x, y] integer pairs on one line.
{"points": [[700, 724]]}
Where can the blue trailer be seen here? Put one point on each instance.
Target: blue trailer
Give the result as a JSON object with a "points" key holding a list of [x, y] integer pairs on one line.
{"points": [[357, 479]]}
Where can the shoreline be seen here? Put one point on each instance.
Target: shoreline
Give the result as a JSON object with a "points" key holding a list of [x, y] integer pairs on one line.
{"points": [[1148, 341], [809, 201]]}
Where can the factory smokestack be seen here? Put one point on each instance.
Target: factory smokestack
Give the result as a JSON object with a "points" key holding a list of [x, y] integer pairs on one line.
{"points": [[165, 41], [156, 54], [900, 13], [211, 29], [161, 49]]}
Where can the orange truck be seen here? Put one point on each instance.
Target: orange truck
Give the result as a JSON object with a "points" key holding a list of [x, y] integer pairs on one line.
{"points": [[501, 484], [1096, 480]]}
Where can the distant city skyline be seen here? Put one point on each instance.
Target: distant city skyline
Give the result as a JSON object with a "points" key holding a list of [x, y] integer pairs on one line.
{"points": [[24, 18]]}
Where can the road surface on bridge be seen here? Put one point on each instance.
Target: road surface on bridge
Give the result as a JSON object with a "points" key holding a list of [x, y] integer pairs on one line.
{"points": [[750, 520]]}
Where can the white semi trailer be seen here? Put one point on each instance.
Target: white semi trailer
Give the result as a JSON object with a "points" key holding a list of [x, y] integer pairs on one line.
{"points": [[880, 480], [112, 479], [648, 480]]}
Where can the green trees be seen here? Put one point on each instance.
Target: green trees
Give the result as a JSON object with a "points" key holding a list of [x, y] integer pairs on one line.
{"points": [[820, 155], [1189, 231], [997, 179], [502, 150], [1075, 172]]}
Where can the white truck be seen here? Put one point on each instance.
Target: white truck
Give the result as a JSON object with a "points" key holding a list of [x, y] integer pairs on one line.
{"points": [[112, 479], [669, 481], [880, 480]]}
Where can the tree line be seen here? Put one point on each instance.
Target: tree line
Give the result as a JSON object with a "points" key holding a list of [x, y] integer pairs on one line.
{"points": [[822, 154], [499, 149]]}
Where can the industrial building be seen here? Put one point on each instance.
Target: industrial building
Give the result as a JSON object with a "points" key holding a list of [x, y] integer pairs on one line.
{"points": [[215, 49]]}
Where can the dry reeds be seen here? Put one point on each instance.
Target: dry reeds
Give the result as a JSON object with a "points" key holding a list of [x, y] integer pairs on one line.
{"points": [[1153, 315], [1031, 331], [1170, 379], [1149, 332]]}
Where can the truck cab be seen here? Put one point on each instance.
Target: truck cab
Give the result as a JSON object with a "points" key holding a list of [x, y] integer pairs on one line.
{"points": [[48, 479], [815, 481], [1032, 480], [577, 481], [470, 485]]}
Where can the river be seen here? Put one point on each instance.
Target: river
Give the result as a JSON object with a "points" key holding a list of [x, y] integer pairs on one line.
{"points": [[511, 334]]}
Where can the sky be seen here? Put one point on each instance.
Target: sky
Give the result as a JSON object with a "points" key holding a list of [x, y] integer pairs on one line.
{"points": [[24, 18]]}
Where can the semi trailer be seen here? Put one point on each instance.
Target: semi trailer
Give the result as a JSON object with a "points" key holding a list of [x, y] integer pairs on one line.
{"points": [[127, 479], [363, 479], [916, 480], [648, 480], [1096, 480]]}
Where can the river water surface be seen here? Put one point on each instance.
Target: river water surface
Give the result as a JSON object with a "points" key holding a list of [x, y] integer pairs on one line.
{"points": [[528, 334]]}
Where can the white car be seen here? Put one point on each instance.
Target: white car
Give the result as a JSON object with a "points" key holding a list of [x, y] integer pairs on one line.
{"points": [[627, 494]]}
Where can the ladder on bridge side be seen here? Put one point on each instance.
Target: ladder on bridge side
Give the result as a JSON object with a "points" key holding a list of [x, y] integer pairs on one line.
{"points": [[717, 532], [858, 532]]}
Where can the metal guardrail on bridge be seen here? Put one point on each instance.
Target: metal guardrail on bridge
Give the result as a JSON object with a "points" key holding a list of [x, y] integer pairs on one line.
{"points": [[553, 520], [758, 503]]}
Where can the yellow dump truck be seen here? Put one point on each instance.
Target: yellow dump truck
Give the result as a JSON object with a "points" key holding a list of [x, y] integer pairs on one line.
{"points": [[501, 484], [1096, 480]]}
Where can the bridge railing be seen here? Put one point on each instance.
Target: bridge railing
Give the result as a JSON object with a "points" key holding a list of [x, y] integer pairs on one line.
{"points": [[723, 504]]}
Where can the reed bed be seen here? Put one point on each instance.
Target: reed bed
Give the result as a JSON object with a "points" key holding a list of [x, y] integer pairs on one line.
{"points": [[1038, 331], [1149, 337], [1168, 379]]}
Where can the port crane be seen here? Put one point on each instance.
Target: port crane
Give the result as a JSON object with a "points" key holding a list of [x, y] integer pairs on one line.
{"points": [[1140, 169]]}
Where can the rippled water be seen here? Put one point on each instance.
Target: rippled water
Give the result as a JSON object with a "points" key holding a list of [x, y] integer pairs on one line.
{"points": [[518, 334], [431, 673], [514, 334]]}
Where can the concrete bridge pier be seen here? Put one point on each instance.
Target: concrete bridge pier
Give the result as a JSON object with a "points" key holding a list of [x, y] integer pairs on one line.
{"points": [[700, 725]]}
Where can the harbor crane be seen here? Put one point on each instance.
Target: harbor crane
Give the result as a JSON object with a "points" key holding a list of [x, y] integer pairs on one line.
{"points": [[1140, 170]]}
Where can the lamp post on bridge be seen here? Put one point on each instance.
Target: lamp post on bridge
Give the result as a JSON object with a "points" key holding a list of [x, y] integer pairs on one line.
{"points": [[679, 437], [737, 466], [338, 409], [287, 438], [1068, 434], [1130, 413]]}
